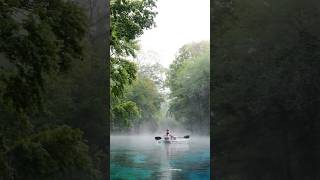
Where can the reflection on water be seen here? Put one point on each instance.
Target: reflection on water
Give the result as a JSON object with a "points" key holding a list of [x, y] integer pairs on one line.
{"points": [[140, 157]]}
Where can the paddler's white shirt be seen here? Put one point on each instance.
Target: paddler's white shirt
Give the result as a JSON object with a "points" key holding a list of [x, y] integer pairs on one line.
{"points": [[169, 136]]}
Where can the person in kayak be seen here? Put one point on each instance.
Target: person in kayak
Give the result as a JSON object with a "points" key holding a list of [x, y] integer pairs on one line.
{"points": [[169, 135]]}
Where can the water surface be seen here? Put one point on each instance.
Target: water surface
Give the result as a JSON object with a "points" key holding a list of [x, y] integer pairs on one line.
{"points": [[141, 157]]}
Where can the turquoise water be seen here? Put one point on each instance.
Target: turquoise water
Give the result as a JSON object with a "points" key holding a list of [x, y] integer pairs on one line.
{"points": [[140, 157]]}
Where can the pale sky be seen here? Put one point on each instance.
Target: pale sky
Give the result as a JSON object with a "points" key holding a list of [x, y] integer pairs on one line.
{"points": [[178, 22]]}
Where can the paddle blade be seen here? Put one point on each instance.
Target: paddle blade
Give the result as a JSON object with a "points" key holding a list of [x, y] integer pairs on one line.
{"points": [[157, 138], [186, 137]]}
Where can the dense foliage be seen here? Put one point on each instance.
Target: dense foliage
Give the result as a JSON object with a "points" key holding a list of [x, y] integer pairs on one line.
{"points": [[52, 92], [146, 95], [266, 89], [140, 106], [128, 21], [156, 72], [189, 82]]}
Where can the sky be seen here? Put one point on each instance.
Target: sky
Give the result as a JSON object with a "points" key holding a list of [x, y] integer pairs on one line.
{"points": [[178, 22]]}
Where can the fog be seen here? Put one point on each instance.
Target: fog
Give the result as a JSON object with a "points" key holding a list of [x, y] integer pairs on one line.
{"points": [[138, 141], [167, 121]]}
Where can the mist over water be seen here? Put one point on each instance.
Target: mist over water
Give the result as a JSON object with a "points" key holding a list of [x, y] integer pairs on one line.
{"points": [[136, 154], [142, 157], [166, 121]]}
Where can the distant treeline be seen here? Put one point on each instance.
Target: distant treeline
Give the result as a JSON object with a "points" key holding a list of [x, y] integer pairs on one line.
{"points": [[266, 84]]}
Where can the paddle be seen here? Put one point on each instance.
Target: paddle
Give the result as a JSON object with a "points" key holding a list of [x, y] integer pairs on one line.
{"points": [[186, 137], [157, 138]]}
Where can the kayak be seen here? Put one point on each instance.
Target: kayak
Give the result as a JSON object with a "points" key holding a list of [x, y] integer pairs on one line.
{"points": [[173, 140], [176, 141]]}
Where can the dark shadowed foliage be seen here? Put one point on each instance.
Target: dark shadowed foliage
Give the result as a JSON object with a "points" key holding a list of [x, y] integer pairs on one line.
{"points": [[53, 90], [266, 89]]}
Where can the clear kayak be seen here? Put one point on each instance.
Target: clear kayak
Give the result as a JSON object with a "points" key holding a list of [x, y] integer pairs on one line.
{"points": [[172, 140]]}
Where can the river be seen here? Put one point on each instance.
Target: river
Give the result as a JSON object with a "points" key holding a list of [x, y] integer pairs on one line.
{"points": [[141, 157]]}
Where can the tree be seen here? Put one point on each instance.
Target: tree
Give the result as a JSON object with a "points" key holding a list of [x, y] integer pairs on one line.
{"points": [[35, 29], [145, 93], [35, 50], [128, 21], [156, 72], [188, 79], [139, 106]]}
